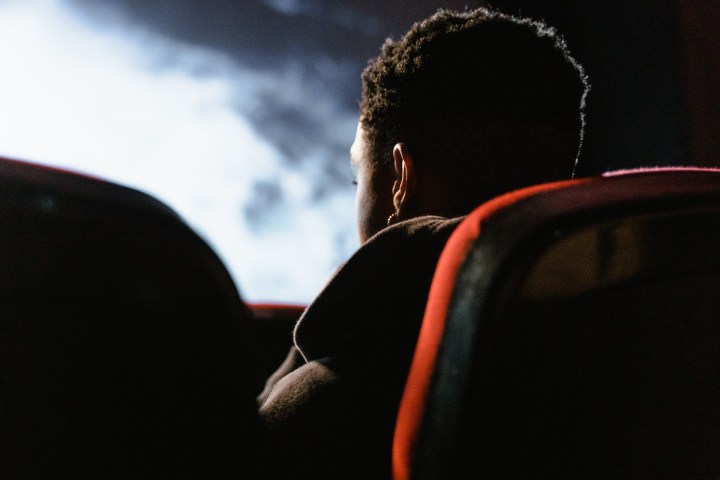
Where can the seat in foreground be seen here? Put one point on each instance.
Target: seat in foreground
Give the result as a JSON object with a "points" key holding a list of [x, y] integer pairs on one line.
{"points": [[573, 331]]}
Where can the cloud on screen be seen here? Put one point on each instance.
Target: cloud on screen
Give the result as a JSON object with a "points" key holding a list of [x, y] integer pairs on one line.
{"points": [[253, 158]]}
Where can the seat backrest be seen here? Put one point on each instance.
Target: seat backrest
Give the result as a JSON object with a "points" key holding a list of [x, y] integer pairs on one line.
{"points": [[122, 337], [573, 331]]}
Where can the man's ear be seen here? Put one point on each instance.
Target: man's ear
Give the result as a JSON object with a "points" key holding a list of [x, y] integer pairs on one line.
{"points": [[403, 188]]}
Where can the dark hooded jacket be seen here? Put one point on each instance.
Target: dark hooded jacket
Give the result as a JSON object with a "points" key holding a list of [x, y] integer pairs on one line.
{"points": [[329, 413]]}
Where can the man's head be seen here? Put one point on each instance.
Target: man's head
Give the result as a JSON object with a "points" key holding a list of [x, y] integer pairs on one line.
{"points": [[464, 107]]}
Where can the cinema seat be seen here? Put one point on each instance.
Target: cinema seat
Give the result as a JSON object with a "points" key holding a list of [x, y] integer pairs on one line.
{"points": [[573, 331], [121, 337]]}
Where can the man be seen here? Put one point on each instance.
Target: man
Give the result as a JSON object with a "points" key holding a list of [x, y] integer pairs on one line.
{"points": [[464, 107]]}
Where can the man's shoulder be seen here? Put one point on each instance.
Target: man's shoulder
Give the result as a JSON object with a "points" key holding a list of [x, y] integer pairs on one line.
{"points": [[380, 288], [416, 240], [405, 245], [428, 226]]}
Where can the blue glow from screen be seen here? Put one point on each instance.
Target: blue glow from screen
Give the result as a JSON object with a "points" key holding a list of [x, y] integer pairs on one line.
{"points": [[103, 95]]}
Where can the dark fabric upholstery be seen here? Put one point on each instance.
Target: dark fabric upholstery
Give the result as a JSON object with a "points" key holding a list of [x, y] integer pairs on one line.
{"points": [[122, 338], [576, 336], [333, 417]]}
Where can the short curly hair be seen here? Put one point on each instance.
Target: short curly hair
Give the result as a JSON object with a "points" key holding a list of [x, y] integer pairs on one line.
{"points": [[477, 93]]}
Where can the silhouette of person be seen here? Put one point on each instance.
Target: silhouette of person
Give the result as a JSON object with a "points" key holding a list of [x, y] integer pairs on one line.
{"points": [[464, 107]]}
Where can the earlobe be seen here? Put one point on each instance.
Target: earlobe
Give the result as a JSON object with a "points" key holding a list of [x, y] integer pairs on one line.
{"points": [[404, 185]]}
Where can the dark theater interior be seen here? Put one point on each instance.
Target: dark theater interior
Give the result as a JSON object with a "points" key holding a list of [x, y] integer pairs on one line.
{"points": [[568, 328]]}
